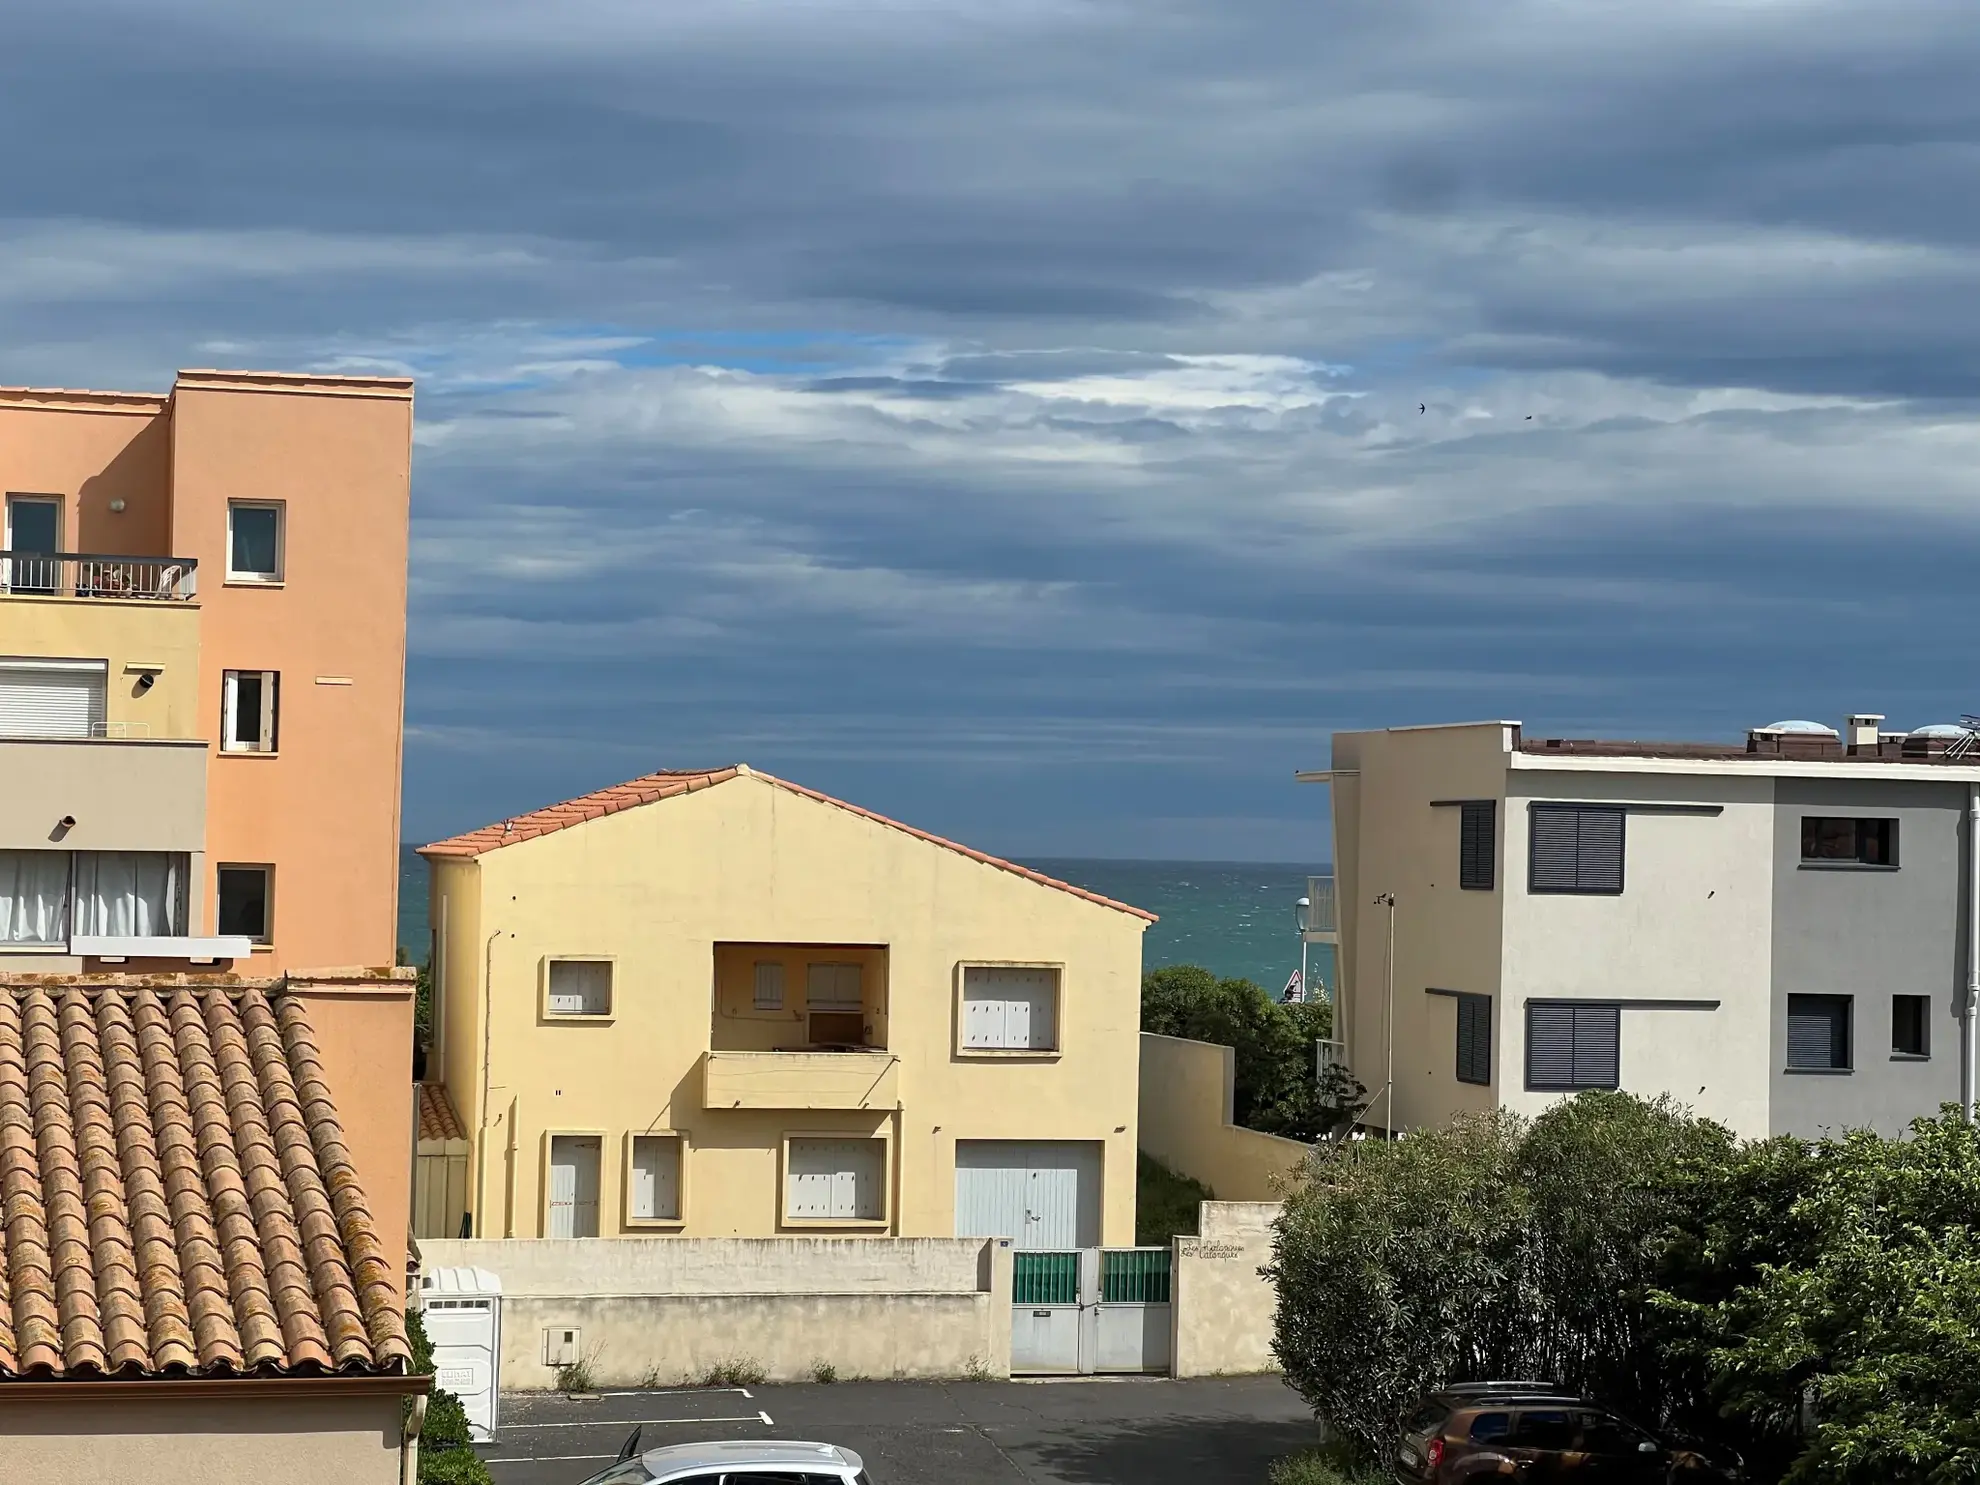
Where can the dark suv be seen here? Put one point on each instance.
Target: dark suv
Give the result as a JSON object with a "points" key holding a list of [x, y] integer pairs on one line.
{"points": [[1540, 1435]]}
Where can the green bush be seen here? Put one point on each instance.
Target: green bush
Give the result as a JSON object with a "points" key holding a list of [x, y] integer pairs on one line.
{"points": [[1328, 1465], [1165, 1203], [1811, 1305], [453, 1467]]}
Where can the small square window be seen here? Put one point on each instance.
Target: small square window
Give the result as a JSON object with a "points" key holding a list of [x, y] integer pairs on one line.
{"points": [[254, 541], [1818, 1033], [1832, 838], [579, 987], [1911, 1026], [1010, 1008], [654, 1192], [246, 903], [250, 707]]}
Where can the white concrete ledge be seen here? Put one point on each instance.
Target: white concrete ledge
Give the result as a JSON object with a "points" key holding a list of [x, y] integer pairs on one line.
{"points": [[135, 947]]}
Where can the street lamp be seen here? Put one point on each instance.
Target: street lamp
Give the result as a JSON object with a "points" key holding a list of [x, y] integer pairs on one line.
{"points": [[1303, 916]]}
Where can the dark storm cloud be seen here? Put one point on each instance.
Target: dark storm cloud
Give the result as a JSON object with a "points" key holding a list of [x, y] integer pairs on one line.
{"points": [[1008, 412]]}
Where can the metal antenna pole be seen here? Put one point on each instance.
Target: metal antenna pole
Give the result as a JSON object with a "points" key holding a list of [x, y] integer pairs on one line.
{"points": [[1388, 899]]}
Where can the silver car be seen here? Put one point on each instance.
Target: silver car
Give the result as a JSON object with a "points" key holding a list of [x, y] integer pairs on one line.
{"points": [[756, 1462]]}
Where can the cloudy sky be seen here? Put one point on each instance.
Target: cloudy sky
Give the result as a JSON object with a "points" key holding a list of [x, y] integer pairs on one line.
{"points": [[1006, 412]]}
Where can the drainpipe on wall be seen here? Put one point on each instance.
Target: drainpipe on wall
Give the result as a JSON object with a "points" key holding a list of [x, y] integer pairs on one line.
{"points": [[480, 1228], [1969, 1060], [409, 1447]]}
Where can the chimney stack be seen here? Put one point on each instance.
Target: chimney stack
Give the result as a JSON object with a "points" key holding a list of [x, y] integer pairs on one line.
{"points": [[1861, 734]]}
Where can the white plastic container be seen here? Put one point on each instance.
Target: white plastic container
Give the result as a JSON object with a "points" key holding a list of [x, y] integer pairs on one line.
{"points": [[462, 1308]]}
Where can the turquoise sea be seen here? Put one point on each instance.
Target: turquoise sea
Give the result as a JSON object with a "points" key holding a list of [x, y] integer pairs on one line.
{"points": [[1233, 918]]}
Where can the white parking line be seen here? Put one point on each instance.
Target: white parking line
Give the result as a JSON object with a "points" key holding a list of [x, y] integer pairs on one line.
{"points": [[631, 1422]]}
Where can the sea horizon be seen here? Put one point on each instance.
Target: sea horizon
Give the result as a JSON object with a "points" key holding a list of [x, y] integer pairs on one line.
{"points": [[1235, 918]]}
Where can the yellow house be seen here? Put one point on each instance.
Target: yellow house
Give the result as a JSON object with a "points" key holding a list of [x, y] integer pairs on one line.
{"points": [[718, 1004]]}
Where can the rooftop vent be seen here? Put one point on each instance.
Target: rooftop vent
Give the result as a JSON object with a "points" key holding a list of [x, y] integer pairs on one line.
{"points": [[1863, 730]]}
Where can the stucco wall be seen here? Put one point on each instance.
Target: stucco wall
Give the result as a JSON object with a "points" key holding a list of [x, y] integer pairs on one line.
{"points": [[1186, 1098], [1223, 1303], [656, 888], [670, 1308], [121, 633], [1394, 837], [91, 448], [324, 808], [363, 1031], [124, 796], [201, 1441], [1870, 934], [1693, 923]]}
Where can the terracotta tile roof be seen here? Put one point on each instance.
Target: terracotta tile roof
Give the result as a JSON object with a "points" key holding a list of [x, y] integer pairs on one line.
{"points": [[672, 783], [178, 1198], [437, 1119]]}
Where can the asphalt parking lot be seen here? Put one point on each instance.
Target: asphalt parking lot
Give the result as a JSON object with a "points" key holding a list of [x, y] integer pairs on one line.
{"points": [[1116, 1431]]}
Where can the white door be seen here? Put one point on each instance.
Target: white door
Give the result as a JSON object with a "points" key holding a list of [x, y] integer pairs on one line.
{"points": [[1042, 1194], [51, 698], [573, 1186]]}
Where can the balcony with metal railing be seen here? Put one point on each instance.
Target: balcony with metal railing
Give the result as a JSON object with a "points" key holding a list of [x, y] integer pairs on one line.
{"points": [[1317, 919], [92, 575]]}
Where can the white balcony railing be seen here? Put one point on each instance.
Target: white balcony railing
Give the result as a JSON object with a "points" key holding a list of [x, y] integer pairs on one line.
{"points": [[89, 575]]}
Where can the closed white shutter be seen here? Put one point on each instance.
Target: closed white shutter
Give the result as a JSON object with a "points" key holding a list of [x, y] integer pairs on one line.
{"points": [[52, 698], [1011, 1008], [769, 986], [656, 1177], [836, 1180], [573, 1186]]}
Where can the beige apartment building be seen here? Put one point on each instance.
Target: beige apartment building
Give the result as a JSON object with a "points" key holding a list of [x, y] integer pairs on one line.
{"points": [[1776, 932], [202, 673], [718, 1004]]}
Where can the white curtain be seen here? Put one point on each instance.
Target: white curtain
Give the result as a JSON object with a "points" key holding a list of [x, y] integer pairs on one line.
{"points": [[34, 891], [129, 894]]}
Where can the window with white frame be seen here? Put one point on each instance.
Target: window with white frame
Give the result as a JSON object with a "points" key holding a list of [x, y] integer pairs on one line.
{"points": [[1010, 1008], [579, 987], [254, 541], [769, 989], [246, 903], [653, 1194], [249, 708], [835, 1180]]}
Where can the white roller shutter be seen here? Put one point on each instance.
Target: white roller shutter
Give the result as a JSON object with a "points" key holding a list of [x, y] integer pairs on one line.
{"points": [[52, 698]]}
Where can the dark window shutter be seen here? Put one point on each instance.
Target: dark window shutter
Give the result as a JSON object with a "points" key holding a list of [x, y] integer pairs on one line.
{"points": [[1476, 845], [1555, 846], [1474, 1038], [1549, 1044], [1818, 1031], [1599, 855], [1597, 1046], [1576, 848]]}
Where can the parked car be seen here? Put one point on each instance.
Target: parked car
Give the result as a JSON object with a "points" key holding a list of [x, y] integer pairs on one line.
{"points": [[745, 1462], [1541, 1435]]}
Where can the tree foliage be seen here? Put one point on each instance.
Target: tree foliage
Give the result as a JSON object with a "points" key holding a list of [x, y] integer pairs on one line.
{"points": [[1276, 1090], [1813, 1306]]}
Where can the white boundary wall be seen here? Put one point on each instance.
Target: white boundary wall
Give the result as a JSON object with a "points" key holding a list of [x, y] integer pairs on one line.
{"points": [[663, 1311]]}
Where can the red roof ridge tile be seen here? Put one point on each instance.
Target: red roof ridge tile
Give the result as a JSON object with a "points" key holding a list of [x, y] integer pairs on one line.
{"points": [[669, 784]]}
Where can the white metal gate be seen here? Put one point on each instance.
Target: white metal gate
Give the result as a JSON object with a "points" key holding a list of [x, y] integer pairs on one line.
{"points": [[1091, 1310]]}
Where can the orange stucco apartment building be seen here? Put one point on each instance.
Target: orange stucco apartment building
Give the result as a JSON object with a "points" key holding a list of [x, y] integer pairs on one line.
{"points": [[206, 1104]]}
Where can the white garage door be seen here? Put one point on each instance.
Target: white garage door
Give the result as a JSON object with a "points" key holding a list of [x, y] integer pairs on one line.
{"points": [[1042, 1194]]}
